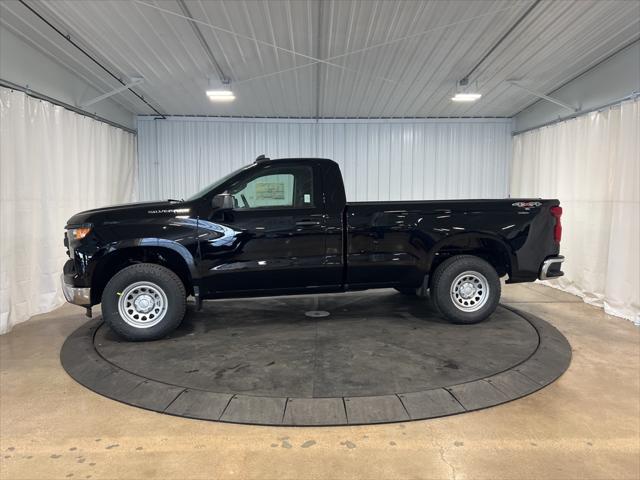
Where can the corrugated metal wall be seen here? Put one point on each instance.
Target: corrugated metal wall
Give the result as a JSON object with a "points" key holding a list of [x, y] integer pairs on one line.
{"points": [[380, 160]]}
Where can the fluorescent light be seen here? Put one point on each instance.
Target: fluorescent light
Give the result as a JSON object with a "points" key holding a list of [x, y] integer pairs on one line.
{"points": [[221, 95], [466, 97], [218, 98]]}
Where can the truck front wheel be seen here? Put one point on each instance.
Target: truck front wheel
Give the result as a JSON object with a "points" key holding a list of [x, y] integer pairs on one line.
{"points": [[465, 289], [144, 301]]}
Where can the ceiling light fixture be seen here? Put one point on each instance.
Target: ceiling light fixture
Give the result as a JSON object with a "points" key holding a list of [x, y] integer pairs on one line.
{"points": [[466, 97], [221, 95], [464, 93]]}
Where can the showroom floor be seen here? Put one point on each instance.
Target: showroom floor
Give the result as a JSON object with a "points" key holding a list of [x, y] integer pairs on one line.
{"points": [[585, 425]]}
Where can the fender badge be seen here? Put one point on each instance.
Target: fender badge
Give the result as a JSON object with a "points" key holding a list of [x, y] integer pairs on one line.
{"points": [[526, 204], [170, 210]]}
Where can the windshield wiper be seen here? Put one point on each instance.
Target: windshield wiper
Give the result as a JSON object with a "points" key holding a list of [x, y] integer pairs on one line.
{"points": [[173, 200]]}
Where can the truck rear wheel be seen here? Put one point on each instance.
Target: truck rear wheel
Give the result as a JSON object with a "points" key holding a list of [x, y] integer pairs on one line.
{"points": [[465, 289], [144, 302]]}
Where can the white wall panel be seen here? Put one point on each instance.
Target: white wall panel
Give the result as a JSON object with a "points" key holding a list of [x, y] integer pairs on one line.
{"points": [[390, 160]]}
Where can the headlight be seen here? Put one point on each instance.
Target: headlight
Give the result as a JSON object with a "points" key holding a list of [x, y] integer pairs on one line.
{"points": [[80, 232]]}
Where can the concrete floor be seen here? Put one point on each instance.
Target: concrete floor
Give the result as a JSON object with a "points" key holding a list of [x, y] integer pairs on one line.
{"points": [[585, 425]]}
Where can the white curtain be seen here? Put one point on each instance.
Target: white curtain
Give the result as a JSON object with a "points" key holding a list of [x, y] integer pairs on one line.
{"points": [[54, 163], [592, 164]]}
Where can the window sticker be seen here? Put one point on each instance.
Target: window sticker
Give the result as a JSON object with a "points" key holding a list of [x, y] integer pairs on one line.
{"points": [[307, 198], [272, 191]]}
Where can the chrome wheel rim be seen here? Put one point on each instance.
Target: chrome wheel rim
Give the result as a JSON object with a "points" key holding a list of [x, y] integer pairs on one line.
{"points": [[469, 291], [143, 304]]}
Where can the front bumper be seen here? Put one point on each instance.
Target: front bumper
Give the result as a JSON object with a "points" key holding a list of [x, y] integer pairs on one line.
{"points": [[550, 268], [78, 296]]}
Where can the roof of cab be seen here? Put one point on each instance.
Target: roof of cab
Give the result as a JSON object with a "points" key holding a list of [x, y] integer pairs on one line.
{"points": [[263, 158]]}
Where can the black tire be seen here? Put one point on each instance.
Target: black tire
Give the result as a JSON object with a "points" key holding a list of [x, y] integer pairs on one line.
{"points": [[410, 292], [476, 292], [158, 288]]}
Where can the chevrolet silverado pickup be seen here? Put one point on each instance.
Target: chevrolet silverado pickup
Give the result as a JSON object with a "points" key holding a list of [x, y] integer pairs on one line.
{"points": [[282, 227]]}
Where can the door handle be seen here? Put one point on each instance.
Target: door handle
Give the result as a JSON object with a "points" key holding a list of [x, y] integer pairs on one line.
{"points": [[307, 223]]}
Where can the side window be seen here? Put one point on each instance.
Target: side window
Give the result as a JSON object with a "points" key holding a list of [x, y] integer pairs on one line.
{"points": [[280, 187]]}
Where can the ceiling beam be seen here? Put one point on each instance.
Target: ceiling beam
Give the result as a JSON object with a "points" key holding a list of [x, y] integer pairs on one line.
{"points": [[89, 56], [318, 52], [329, 60], [501, 40], [543, 96], [261, 42], [122, 88], [224, 79]]}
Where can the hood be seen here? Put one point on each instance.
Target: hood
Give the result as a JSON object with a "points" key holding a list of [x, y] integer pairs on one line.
{"points": [[139, 210]]}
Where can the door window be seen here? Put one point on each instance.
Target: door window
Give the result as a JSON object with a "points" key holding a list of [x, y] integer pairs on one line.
{"points": [[280, 187]]}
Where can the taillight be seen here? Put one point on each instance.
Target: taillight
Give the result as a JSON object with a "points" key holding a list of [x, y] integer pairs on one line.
{"points": [[557, 230]]}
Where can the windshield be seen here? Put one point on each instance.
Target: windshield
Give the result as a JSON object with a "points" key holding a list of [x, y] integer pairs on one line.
{"points": [[215, 184]]}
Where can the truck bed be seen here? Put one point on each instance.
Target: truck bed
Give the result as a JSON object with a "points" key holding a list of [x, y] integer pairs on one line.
{"points": [[394, 235]]}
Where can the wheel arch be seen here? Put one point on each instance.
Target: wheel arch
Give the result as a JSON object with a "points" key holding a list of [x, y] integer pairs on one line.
{"points": [[489, 247], [169, 254]]}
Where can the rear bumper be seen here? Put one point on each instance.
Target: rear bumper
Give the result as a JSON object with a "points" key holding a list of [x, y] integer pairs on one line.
{"points": [[551, 268], [77, 296]]}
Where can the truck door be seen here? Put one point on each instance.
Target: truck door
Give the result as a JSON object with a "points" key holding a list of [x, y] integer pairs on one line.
{"points": [[275, 232]]}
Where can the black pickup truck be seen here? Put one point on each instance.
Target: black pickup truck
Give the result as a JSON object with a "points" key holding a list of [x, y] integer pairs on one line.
{"points": [[281, 227]]}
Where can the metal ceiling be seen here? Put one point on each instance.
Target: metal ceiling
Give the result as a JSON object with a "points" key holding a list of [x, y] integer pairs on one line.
{"points": [[329, 58]]}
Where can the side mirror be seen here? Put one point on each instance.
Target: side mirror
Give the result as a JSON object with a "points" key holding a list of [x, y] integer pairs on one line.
{"points": [[222, 201]]}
